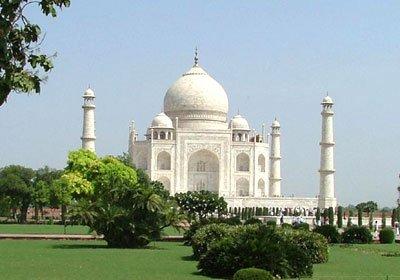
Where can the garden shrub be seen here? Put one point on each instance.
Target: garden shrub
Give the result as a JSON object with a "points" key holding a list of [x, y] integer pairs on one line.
{"points": [[207, 234], [252, 274], [258, 246], [188, 234], [303, 226], [386, 236], [271, 223], [329, 232], [233, 221], [357, 235], [286, 225], [252, 221], [313, 243]]}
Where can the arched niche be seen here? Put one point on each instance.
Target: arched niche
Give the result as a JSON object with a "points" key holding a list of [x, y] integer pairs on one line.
{"points": [[163, 161], [261, 163], [242, 187], [242, 162], [203, 171], [261, 187]]}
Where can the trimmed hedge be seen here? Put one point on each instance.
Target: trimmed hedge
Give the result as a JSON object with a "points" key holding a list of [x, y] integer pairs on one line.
{"points": [[252, 221], [329, 232], [357, 235], [188, 235], [271, 223], [286, 225], [207, 234], [252, 274], [302, 226], [386, 236], [284, 253], [313, 243]]}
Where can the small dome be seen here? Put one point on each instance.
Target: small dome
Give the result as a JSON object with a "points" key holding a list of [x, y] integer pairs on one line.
{"points": [[275, 123], [89, 93], [161, 121], [239, 123], [327, 100]]}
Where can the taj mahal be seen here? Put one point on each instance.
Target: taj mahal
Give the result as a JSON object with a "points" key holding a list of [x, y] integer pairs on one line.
{"points": [[192, 145]]}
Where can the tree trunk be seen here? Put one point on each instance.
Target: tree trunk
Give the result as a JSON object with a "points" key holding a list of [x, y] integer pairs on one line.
{"points": [[23, 214], [41, 212], [63, 213], [36, 213]]}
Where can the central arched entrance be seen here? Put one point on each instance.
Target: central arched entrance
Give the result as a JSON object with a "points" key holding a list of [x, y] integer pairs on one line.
{"points": [[203, 171]]}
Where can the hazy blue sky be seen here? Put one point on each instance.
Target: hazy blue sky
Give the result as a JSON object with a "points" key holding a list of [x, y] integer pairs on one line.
{"points": [[274, 58]]}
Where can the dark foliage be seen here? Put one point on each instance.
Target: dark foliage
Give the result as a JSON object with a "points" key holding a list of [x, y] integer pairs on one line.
{"points": [[386, 236], [303, 226], [257, 246], [329, 232], [271, 223], [207, 234], [20, 39], [252, 221], [357, 235]]}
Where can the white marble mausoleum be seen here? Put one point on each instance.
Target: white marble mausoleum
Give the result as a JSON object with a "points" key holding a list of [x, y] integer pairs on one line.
{"points": [[192, 145]]}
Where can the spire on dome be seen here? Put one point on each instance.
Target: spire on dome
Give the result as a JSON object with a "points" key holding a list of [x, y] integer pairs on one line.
{"points": [[196, 57]]}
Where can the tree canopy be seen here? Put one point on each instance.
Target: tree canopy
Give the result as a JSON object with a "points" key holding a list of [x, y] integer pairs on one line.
{"points": [[118, 201], [200, 204], [22, 187], [368, 207], [21, 61]]}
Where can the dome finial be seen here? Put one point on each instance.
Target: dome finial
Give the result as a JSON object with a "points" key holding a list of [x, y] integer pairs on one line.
{"points": [[196, 57]]}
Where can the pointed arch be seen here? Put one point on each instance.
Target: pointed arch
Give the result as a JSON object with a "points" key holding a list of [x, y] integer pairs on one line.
{"points": [[261, 163], [163, 161], [261, 187], [242, 162], [242, 187]]}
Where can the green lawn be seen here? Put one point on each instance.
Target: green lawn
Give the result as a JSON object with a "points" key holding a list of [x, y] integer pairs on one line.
{"points": [[24, 259], [361, 262], [59, 229], [42, 229]]}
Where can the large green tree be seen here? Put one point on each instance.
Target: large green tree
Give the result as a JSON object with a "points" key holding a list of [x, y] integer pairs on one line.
{"points": [[16, 183], [123, 204], [43, 189], [22, 64]]}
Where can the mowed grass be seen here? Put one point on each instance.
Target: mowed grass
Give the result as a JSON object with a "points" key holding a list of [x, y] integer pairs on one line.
{"points": [[360, 262], [42, 229], [27, 259], [59, 229]]}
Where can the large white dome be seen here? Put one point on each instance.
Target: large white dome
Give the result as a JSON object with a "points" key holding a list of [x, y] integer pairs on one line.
{"points": [[197, 100]]}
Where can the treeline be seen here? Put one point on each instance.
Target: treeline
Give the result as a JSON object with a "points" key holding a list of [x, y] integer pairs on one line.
{"points": [[22, 188]]}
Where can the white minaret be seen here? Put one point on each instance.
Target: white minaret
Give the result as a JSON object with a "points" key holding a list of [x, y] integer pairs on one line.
{"points": [[132, 138], [327, 170], [88, 133], [275, 160]]}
